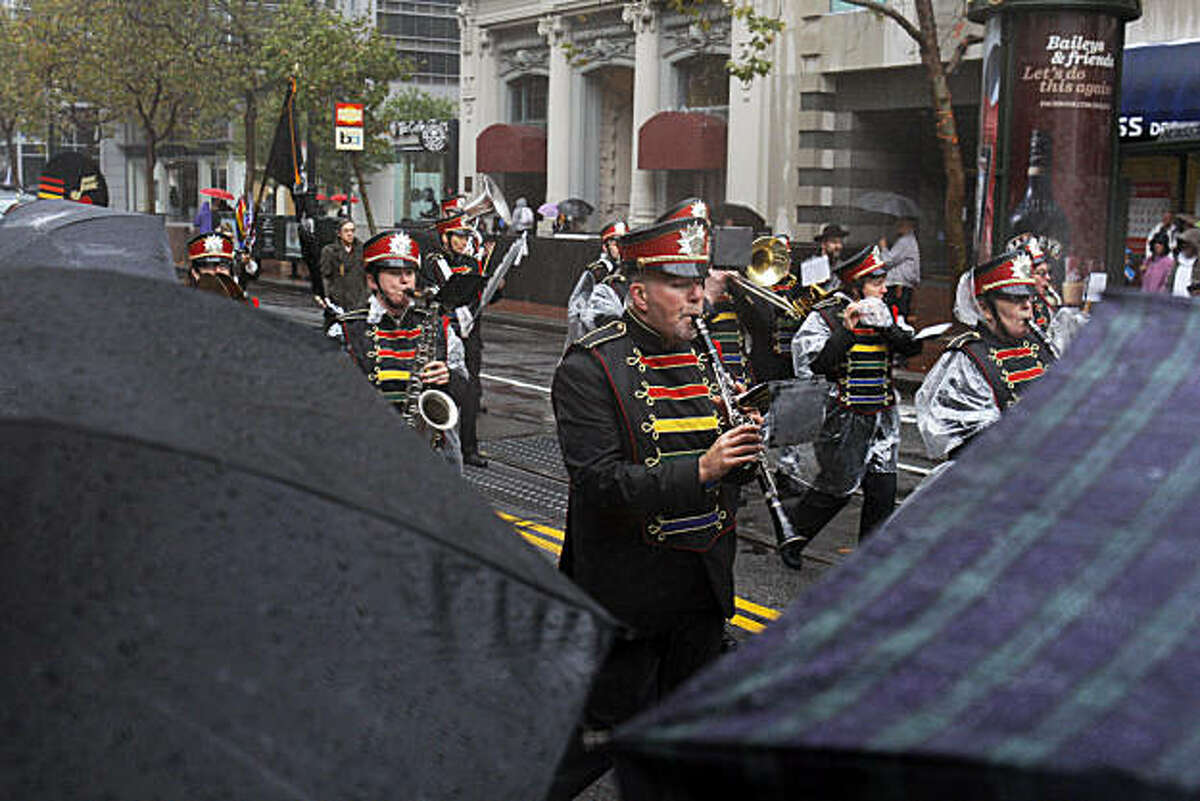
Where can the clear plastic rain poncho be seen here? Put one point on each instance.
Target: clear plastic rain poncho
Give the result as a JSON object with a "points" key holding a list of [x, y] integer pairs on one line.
{"points": [[955, 401], [849, 444], [590, 304]]}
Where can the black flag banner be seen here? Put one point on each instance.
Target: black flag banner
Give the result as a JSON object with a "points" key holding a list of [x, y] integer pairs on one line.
{"points": [[286, 162]]}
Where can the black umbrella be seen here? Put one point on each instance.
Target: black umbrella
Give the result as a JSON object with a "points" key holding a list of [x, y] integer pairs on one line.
{"points": [[575, 208], [58, 233], [1024, 628], [206, 596], [739, 215], [73, 176]]}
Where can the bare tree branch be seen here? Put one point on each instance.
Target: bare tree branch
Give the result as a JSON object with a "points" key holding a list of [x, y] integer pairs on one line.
{"points": [[961, 50], [889, 11]]}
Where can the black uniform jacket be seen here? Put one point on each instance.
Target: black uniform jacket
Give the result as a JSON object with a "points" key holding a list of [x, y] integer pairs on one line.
{"points": [[616, 496]]}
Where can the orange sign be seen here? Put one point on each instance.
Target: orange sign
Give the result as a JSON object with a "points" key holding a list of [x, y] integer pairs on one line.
{"points": [[348, 115]]}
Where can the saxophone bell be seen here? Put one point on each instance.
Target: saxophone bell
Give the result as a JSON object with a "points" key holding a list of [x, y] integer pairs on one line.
{"points": [[437, 409]]}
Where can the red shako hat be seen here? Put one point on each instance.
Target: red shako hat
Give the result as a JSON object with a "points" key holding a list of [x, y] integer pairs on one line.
{"points": [[452, 204], [1009, 274], [866, 262], [686, 209], [455, 223], [211, 246], [677, 247], [391, 249], [614, 228]]}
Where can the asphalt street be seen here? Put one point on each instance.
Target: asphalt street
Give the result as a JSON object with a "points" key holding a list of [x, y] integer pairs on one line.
{"points": [[526, 483]]}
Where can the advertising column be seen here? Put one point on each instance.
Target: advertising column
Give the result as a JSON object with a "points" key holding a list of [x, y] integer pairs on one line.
{"points": [[1048, 127]]}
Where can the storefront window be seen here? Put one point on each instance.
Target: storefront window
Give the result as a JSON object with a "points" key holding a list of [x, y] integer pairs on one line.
{"points": [[418, 178]]}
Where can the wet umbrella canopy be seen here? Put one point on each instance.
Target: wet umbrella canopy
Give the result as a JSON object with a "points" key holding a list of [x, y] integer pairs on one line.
{"points": [[58, 234], [229, 571], [575, 208], [1024, 628]]}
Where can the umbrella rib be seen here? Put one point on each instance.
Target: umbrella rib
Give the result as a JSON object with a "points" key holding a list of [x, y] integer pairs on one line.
{"points": [[54, 424]]}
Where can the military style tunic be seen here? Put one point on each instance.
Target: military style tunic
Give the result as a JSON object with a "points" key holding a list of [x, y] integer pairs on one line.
{"points": [[725, 329], [385, 349], [644, 536], [861, 431], [978, 377]]}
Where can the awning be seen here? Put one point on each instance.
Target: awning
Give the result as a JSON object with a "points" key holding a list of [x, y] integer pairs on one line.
{"points": [[682, 140], [510, 148], [1160, 93]]}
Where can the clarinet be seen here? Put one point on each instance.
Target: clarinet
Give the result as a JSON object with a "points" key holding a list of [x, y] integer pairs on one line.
{"points": [[784, 533]]}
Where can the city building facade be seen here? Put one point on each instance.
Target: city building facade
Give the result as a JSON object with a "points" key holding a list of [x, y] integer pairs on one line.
{"points": [[626, 106]]}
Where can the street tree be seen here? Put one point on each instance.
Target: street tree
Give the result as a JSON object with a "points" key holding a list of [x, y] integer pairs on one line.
{"points": [[16, 81], [938, 70], [753, 61], [120, 64], [340, 59]]}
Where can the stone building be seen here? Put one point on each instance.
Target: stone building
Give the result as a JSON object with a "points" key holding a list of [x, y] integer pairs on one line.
{"points": [[625, 105]]}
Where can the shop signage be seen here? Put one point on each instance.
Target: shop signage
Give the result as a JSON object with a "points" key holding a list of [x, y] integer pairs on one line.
{"points": [[348, 126], [430, 135]]}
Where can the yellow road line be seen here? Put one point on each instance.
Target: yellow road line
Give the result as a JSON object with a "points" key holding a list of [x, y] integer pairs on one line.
{"points": [[545, 545], [550, 539], [747, 624], [754, 609]]}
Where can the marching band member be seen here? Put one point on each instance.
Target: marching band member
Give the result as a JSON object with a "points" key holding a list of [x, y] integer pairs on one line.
{"points": [[383, 337], [211, 265], [460, 255], [650, 521], [983, 371], [850, 341], [599, 294]]}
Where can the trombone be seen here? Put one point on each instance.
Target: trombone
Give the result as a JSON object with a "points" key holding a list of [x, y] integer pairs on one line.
{"points": [[769, 264]]}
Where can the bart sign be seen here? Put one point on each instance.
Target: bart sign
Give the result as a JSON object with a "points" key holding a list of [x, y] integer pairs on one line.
{"points": [[348, 126]]}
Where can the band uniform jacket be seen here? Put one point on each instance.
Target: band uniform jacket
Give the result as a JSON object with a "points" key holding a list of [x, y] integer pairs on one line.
{"points": [[975, 380], [385, 348], [644, 537]]}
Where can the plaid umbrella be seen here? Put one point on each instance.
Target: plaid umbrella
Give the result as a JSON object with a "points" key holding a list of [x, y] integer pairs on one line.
{"points": [[1025, 627]]}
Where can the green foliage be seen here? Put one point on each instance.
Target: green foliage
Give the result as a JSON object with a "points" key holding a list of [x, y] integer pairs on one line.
{"points": [[752, 59]]}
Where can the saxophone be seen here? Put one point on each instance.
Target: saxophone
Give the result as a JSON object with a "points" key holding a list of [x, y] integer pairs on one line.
{"points": [[427, 409]]}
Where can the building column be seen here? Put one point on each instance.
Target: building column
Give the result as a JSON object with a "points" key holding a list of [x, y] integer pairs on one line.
{"points": [[558, 110], [643, 16]]}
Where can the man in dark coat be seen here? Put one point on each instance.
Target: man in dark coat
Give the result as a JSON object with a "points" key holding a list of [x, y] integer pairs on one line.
{"points": [[342, 270], [650, 523]]}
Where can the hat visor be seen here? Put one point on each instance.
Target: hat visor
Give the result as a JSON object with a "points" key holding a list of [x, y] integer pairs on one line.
{"points": [[679, 269], [212, 263], [1016, 291]]}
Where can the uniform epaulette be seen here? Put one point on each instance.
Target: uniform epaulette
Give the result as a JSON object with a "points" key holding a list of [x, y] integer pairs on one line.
{"points": [[604, 333], [357, 314], [962, 340]]}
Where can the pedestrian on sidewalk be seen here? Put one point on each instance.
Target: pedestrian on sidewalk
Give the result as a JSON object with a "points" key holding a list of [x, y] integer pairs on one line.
{"points": [[342, 269], [1160, 267]]}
